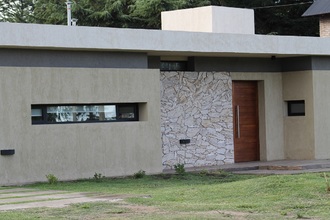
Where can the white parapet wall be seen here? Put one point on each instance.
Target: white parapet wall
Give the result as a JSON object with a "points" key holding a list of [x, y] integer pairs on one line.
{"points": [[214, 19]]}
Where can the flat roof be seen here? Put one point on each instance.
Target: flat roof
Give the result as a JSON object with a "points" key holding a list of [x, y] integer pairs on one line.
{"points": [[158, 42]]}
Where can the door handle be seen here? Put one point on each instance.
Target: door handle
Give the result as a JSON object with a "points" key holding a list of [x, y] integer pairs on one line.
{"points": [[238, 123]]}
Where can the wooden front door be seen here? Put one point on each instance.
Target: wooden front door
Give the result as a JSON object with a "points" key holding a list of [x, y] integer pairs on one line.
{"points": [[246, 121]]}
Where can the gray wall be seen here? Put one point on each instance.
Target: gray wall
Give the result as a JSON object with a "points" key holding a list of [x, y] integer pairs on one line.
{"points": [[57, 58], [271, 132], [299, 130], [75, 151], [321, 63], [237, 64], [245, 64]]}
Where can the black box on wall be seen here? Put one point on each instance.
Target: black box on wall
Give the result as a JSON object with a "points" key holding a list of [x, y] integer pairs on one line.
{"points": [[7, 152], [184, 141]]}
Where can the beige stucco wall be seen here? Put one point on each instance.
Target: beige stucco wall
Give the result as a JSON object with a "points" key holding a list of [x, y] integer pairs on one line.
{"points": [[321, 91], [299, 130], [270, 113], [74, 151], [198, 20], [214, 19]]}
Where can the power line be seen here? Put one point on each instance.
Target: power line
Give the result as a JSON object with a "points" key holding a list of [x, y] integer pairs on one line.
{"points": [[279, 6]]}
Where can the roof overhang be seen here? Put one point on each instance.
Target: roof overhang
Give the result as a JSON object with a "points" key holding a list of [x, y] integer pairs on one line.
{"points": [[319, 7], [158, 42]]}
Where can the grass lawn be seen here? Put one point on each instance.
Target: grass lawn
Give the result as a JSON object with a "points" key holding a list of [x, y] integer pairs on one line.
{"points": [[194, 196]]}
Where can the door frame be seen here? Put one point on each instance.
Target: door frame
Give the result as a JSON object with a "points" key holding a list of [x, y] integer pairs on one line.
{"points": [[257, 109]]}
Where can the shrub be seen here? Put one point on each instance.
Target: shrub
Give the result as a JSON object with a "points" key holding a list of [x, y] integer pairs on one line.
{"points": [[98, 177], [140, 174], [179, 168], [52, 179], [203, 172]]}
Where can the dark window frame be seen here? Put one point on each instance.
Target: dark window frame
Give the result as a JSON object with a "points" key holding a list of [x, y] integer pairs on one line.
{"points": [[290, 108], [44, 116]]}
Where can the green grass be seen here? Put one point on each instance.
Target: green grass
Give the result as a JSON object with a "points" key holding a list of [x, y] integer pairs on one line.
{"points": [[195, 196]]}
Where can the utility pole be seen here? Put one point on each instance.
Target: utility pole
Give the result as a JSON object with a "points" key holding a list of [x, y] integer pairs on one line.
{"points": [[68, 4]]}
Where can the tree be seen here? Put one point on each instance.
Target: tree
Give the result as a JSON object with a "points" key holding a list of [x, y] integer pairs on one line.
{"points": [[281, 17], [147, 12], [284, 18], [50, 11], [19, 11], [107, 13]]}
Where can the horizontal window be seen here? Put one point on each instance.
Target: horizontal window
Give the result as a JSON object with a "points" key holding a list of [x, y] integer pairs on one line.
{"points": [[49, 114]]}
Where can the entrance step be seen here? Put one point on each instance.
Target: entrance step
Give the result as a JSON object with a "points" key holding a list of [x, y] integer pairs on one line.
{"points": [[300, 167], [281, 168], [268, 167]]}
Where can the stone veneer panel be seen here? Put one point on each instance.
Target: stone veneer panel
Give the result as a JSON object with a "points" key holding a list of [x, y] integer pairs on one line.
{"points": [[196, 106], [325, 26]]}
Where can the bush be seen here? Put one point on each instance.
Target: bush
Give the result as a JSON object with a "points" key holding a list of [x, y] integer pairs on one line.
{"points": [[140, 174], [179, 168], [98, 177], [52, 179]]}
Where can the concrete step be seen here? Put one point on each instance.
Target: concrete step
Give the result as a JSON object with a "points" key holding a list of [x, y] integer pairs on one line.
{"points": [[264, 167], [299, 167]]}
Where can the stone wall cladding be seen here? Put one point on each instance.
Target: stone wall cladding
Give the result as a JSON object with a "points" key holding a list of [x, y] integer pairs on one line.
{"points": [[196, 106], [325, 26]]}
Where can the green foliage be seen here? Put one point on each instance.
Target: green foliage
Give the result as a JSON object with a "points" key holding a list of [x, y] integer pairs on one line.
{"points": [[98, 177], [327, 182], [203, 172], [140, 174], [299, 216], [50, 12], [271, 16], [19, 11], [52, 179], [179, 168], [257, 196]]}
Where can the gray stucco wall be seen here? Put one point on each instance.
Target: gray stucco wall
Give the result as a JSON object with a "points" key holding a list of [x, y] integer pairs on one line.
{"points": [[250, 64], [299, 137], [228, 64], [75, 151], [271, 110], [196, 106], [62, 58]]}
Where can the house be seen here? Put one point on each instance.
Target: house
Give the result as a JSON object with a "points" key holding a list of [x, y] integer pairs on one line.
{"points": [[76, 101], [321, 8]]}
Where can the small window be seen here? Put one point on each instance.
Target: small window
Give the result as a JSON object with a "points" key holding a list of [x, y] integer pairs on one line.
{"points": [[173, 65], [81, 113], [296, 108], [36, 114]]}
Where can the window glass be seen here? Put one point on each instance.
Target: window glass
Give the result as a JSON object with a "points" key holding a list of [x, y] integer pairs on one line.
{"points": [[84, 113], [173, 65], [126, 112], [296, 108], [60, 114], [110, 112], [36, 114]]}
